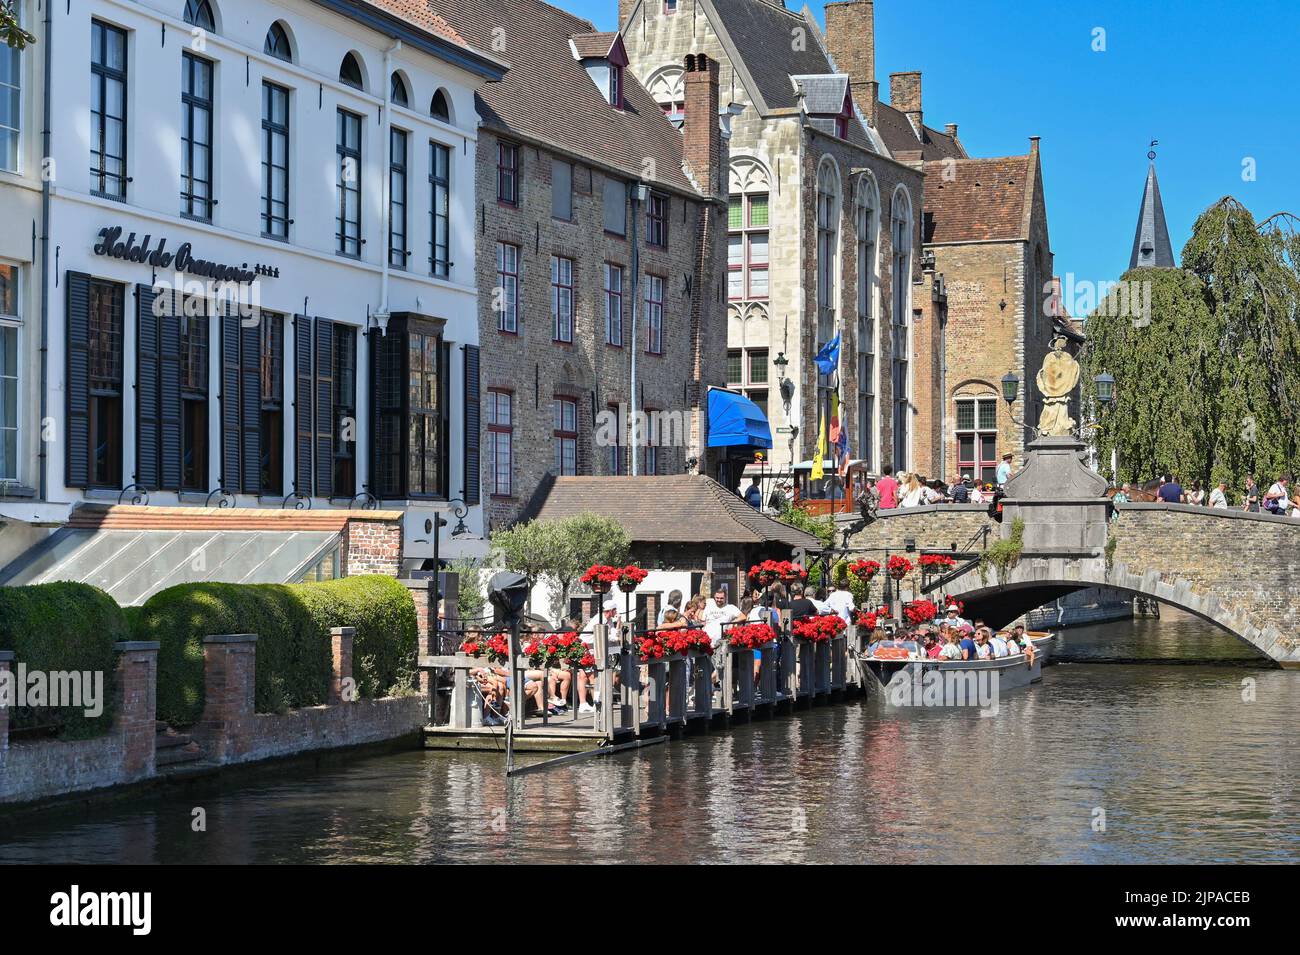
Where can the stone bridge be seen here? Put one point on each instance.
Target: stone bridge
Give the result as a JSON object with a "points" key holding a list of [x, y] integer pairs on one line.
{"points": [[1237, 570]]}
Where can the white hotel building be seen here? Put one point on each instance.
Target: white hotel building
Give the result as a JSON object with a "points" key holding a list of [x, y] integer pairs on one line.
{"points": [[320, 153]]}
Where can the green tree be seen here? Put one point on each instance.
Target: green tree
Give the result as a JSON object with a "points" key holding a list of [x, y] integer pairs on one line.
{"points": [[1207, 380], [822, 527], [469, 597], [561, 550], [11, 34]]}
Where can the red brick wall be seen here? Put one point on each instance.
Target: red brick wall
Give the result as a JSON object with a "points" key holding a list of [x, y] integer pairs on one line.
{"points": [[371, 547]]}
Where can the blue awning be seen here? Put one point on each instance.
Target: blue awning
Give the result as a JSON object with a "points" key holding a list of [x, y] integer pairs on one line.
{"points": [[735, 420]]}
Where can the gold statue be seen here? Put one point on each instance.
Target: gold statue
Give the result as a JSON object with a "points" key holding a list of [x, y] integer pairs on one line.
{"points": [[1057, 379]]}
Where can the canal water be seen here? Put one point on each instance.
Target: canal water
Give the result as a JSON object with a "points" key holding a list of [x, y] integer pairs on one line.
{"points": [[1163, 760]]}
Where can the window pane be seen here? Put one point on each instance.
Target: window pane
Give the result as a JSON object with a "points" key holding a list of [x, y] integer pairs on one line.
{"points": [[758, 367], [758, 248], [758, 283], [736, 251], [758, 210], [988, 413], [734, 215], [615, 206], [734, 367], [965, 415], [561, 190]]}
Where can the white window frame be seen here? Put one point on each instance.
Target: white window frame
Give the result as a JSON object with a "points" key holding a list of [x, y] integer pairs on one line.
{"points": [[21, 115], [14, 320]]}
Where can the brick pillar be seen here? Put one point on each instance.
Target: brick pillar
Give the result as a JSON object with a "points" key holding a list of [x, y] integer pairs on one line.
{"points": [[341, 639], [426, 620], [136, 698], [651, 610], [6, 663], [229, 673]]}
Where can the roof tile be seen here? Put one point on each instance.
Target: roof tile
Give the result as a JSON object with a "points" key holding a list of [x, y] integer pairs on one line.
{"points": [[986, 200]]}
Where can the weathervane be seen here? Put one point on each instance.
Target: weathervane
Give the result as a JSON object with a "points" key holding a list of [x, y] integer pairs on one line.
{"points": [[1152, 153]]}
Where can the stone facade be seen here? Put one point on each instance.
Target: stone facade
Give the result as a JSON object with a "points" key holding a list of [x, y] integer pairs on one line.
{"points": [[778, 152]]}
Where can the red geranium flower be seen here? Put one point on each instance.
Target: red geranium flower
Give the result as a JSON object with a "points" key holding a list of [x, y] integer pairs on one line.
{"points": [[819, 629]]}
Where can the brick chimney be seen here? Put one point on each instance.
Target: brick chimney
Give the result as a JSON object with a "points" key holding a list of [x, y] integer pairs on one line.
{"points": [[905, 96], [851, 38], [701, 129]]}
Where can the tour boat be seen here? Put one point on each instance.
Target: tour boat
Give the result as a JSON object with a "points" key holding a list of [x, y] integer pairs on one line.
{"points": [[901, 676]]}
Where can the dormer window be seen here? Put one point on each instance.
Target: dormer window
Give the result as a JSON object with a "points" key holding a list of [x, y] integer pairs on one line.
{"points": [[604, 58], [670, 7]]}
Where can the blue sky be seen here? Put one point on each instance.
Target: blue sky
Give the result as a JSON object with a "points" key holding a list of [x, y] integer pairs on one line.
{"points": [[1214, 81]]}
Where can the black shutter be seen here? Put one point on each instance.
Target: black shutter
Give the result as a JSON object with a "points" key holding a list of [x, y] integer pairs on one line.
{"points": [[231, 441], [250, 404], [147, 376], [302, 394], [324, 407], [169, 391], [473, 473], [77, 416]]}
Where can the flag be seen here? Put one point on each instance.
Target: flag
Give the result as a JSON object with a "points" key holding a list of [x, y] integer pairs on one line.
{"points": [[839, 438], [818, 471], [829, 356]]}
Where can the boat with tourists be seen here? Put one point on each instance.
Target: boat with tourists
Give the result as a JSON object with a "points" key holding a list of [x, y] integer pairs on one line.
{"points": [[899, 674]]}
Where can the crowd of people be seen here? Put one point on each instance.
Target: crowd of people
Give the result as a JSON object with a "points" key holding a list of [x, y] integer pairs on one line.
{"points": [[952, 637], [1170, 490], [912, 489]]}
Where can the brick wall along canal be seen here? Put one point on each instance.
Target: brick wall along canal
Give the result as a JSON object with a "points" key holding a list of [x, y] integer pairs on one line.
{"points": [[1183, 768]]}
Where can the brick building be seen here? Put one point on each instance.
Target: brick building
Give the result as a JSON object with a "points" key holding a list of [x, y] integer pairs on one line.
{"points": [[986, 302], [599, 227], [824, 219]]}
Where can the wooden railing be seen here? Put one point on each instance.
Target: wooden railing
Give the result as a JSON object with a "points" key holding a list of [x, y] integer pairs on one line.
{"points": [[666, 694]]}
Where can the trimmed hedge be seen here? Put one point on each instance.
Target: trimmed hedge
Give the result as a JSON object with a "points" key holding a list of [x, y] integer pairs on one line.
{"points": [[63, 627], [292, 623]]}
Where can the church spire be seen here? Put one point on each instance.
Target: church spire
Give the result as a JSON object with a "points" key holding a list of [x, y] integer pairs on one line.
{"points": [[1151, 246]]}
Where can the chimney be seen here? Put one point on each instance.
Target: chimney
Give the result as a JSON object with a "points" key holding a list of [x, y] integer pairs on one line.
{"points": [[703, 134], [1033, 144], [851, 38], [951, 130], [905, 96]]}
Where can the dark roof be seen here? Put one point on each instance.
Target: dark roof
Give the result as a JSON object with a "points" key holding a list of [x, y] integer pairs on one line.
{"points": [[900, 136], [823, 94], [421, 13], [547, 96], [668, 509], [594, 44], [760, 31], [1151, 246], [986, 201]]}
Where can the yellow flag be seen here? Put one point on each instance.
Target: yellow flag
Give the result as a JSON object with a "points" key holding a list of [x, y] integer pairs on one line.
{"points": [[817, 470]]}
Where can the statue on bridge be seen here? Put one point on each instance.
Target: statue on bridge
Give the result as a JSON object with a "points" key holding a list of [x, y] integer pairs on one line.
{"points": [[1057, 379]]}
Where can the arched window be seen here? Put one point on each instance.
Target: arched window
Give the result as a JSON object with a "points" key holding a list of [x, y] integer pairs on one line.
{"points": [[198, 13], [747, 245], [828, 246], [350, 72], [439, 108], [867, 203], [277, 43], [397, 90], [667, 86], [900, 279]]}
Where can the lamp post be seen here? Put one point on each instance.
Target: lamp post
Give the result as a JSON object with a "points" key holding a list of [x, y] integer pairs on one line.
{"points": [[786, 387], [435, 524]]}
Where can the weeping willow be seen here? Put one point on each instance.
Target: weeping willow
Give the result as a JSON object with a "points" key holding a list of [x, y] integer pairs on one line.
{"points": [[1207, 379]]}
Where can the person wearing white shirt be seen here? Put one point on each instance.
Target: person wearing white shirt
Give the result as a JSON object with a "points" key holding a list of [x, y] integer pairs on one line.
{"points": [[674, 602], [1218, 498], [840, 602], [717, 613], [999, 645], [1279, 495]]}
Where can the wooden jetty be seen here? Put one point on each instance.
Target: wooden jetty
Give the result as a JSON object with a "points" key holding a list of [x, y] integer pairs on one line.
{"points": [[666, 697]]}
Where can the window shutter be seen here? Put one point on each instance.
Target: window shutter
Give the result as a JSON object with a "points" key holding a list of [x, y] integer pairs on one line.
{"points": [[303, 438], [77, 416], [324, 407], [169, 394], [147, 449], [473, 431], [250, 405], [231, 440]]}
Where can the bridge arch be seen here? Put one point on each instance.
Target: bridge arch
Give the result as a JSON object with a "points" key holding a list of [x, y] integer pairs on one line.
{"points": [[1035, 581]]}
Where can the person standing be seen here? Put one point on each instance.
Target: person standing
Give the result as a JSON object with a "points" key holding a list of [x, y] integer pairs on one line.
{"points": [[887, 488], [961, 490], [1250, 498], [1278, 498], [840, 601], [1219, 497], [1197, 497], [754, 494], [1004, 469], [674, 603], [1171, 492]]}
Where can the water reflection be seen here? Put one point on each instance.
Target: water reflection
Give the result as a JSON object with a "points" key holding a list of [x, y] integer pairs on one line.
{"points": [[1182, 767]]}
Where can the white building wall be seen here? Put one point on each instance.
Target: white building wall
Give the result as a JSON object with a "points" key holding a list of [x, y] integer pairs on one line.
{"points": [[313, 279]]}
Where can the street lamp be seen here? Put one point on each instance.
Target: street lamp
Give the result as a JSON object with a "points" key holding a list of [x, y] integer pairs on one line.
{"points": [[435, 524], [1010, 387], [1105, 389]]}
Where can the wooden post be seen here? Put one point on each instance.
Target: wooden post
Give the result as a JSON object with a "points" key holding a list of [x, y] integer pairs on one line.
{"points": [[743, 671], [822, 663], [632, 691], [678, 680], [604, 680], [767, 675], [839, 646], [462, 699], [728, 684], [703, 686], [807, 667], [517, 698]]}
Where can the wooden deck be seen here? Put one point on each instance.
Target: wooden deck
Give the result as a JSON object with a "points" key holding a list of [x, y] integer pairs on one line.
{"points": [[670, 697]]}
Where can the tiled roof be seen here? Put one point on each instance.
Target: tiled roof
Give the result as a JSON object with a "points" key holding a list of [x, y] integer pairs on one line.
{"points": [[900, 136], [760, 31], [547, 96], [985, 201], [669, 509], [593, 44], [823, 95], [420, 13]]}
